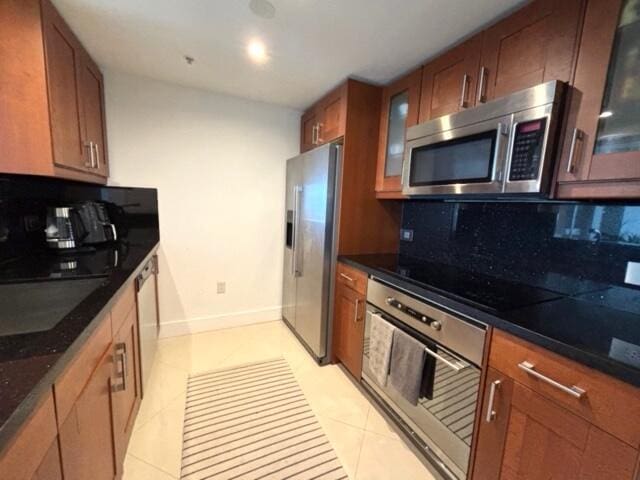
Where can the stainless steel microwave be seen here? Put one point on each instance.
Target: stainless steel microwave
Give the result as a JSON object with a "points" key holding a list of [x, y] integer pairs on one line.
{"points": [[503, 147]]}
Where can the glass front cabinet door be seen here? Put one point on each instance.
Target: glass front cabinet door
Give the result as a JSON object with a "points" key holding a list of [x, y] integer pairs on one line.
{"points": [[601, 148], [400, 104]]}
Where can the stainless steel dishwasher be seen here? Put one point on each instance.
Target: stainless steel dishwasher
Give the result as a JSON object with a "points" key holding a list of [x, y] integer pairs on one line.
{"points": [[148, 316]]}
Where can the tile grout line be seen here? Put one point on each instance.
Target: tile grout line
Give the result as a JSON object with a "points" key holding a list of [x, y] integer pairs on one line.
{"points": [[355, 474], [155, 467]]}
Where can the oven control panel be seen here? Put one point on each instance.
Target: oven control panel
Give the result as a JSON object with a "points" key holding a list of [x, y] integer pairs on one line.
{"points": [[435, 324], [527, 151]]}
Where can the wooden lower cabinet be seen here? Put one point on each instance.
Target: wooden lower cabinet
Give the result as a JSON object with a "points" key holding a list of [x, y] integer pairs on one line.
{"points": [[86, 435], [348, 327], [529, 436], [50, 467], [126, 387]]}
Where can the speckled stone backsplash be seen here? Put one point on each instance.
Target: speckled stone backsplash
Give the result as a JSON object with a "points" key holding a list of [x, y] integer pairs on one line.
{"points": [[518, 241]]}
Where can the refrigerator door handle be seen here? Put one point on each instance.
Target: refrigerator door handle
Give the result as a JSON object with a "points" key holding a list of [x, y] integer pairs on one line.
{"points": [[296, 221]]}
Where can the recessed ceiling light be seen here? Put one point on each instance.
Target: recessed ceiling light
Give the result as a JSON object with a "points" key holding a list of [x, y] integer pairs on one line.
{"points": [[257, 51], [263, 8]]}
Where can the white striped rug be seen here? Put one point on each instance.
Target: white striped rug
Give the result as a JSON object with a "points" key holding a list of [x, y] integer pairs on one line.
{"points": [[252, 422]]}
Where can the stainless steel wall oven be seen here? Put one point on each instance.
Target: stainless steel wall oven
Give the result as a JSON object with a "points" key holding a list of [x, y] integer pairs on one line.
{"points": [[442, 421]]}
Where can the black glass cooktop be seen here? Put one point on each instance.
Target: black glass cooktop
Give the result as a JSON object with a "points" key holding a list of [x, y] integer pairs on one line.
{"points": [[478, 290]]}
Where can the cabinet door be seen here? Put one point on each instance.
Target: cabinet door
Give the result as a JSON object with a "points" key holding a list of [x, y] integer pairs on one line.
{"points": [[534, 45], [349, 315], [332, 115], [126, 391], [93, 119], [50, 467], [63, 54], [494, 420], [400, 107], [543, 440], [449, 81], [308, 129], [601, 153], [86, 435]]}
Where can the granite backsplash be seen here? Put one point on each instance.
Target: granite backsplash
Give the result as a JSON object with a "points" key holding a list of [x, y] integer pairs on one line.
{"points": [[521, 241]]}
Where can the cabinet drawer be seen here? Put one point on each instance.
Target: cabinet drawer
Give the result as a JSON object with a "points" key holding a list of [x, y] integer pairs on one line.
{"points": [[124, 303], [352, 278], [608, 403], [73, 380]]}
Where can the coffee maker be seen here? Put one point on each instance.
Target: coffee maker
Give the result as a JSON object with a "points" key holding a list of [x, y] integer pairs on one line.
{"points": [[79, 226]]}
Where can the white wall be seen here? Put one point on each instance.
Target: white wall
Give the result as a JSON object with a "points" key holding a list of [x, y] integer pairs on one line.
{"points": [[219, 165]]}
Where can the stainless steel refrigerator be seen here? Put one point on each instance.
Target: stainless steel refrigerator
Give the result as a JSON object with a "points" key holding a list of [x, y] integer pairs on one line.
{"points": [[310, 246]]}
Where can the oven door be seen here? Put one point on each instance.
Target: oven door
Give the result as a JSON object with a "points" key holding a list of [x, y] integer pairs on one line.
{"points": [[465, 160], [444, 422]]}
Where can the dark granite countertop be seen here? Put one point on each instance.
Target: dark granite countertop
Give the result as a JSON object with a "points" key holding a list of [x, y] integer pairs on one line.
{"points": [[587, 322], [49, 306]]}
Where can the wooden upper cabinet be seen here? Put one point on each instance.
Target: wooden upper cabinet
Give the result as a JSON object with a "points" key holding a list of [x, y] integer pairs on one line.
{"points": [[449, 82], [538, 43], [63, 58], [92, 100], [400, 109], [308, 129], [325, 121], [601, 152], [51, 97]]}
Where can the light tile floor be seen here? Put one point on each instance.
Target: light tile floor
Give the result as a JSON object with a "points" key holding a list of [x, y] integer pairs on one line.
{"points": [[366, 444]]}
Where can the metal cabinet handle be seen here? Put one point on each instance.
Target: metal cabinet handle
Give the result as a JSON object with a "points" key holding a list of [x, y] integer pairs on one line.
{"points": [[459, 365], [346, 277], [482, 96], [89, 146], [355, 315], [463, 96], [574, 391], [491, 413], [121, 357], [313, 134], [578, 135], [95, 145], [319, 135]]}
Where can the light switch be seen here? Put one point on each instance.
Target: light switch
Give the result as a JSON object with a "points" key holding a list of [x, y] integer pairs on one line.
{"points": [[632, 276]]}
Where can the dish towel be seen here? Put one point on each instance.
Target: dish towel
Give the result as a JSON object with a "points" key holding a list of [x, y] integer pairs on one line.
{"points": [[407, 365], [380, 342], [428, 374]]}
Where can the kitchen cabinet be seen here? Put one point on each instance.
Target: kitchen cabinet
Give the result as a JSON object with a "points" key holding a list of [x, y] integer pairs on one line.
{"points": [[449, 81], [50, 468], [51, 97], [325, 121], [348, 323], [76, 101], [545, 416], [350, 116], [126, 386], [86, 435], [400, 108], [33, 452], [601, 152], [535, 44]]}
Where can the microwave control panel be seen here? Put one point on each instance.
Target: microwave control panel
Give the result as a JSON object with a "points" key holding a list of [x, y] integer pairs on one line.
{"points": [[527, 150]]}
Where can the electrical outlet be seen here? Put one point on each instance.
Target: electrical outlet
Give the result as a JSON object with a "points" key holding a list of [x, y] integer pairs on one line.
{"points": [[406, 235], [625, 352], [222, 287]]}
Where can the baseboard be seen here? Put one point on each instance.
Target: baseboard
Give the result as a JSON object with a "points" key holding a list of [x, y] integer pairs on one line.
{"points": [[217, 322]]}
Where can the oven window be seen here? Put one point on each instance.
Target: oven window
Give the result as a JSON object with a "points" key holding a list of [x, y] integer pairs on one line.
{"points": [[464, 160]]}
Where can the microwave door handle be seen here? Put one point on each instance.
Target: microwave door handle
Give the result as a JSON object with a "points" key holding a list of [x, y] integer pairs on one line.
{"points": [[503, 131]]}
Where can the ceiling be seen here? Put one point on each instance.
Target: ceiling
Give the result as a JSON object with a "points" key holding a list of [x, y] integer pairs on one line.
{"points": [[313, 44]]}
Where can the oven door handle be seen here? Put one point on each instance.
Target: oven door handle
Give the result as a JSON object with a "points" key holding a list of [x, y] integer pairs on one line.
{"points": [[458, 366]]}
